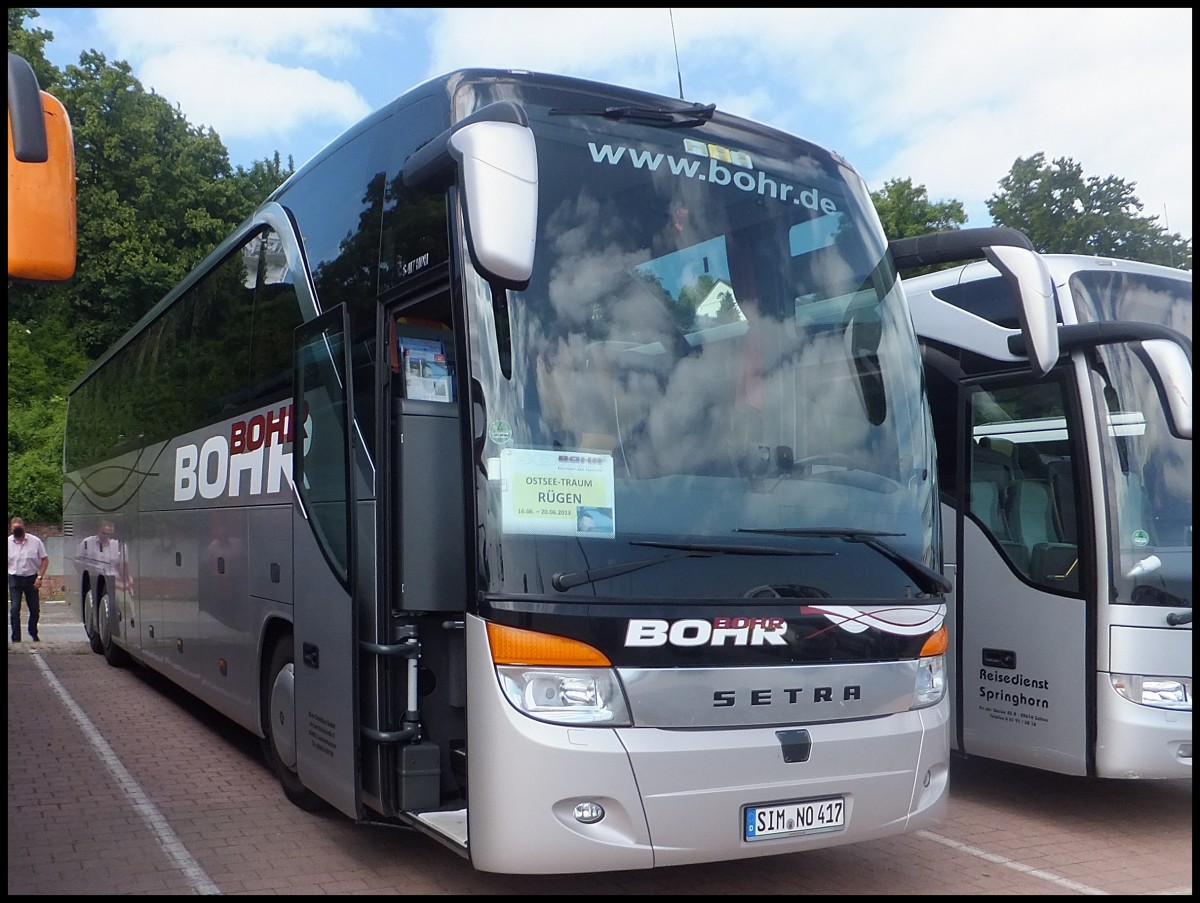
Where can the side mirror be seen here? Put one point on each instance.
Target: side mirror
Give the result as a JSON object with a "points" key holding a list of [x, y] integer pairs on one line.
{"points": [[1171, 369], [496, 160], [498, 163], [1033, 288], [41, 181], [1166, 352], [1010, 252]]}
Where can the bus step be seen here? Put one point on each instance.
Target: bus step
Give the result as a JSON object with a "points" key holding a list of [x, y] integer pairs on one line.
{"points": [[446, 824]]}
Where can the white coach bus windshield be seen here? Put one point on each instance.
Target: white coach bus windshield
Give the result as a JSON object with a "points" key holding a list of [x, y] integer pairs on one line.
{"points": [[545, 466], [1068, 516]]}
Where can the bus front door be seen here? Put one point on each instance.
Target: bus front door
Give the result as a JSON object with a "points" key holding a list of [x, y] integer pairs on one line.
{"points": [[325, 642], [1023, 622]]}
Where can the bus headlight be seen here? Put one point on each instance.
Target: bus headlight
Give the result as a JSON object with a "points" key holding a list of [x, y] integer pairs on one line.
{"points": [[566, 696], [1159, 692], [931, 681], [930, 685]]}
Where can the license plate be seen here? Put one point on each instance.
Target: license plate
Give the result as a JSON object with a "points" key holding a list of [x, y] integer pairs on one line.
{"points": [[793, 818]]}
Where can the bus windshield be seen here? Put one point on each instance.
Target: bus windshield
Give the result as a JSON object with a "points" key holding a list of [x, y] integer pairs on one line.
{"points": [[710, 344], [1148, 470]]}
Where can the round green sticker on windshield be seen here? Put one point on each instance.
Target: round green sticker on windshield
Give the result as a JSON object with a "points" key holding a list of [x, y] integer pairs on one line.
{"points": [[1141, 538], [500, 432]]}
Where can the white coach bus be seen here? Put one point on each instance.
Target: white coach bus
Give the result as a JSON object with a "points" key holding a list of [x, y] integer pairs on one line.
{"points": [[1067, 511]]}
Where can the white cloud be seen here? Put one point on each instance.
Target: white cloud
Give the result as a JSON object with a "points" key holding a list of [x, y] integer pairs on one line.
{"points": [[1109, 89], [326, 33], [225, 69], [242, 96], [568, 41], [949, 98]]}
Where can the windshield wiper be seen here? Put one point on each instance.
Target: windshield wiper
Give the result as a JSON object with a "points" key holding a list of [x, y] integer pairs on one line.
{"points": [[563, 582], [928, 580], [696, 114]]}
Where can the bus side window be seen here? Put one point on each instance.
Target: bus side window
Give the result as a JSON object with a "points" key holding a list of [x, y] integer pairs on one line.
{"points": [[276, 316], [992, 482], [1037, 515], [1062, 494], [1032, 513], [985, 504], [994, 468]]}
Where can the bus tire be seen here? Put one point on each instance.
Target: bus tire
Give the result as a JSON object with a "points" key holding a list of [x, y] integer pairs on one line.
{"points": [[106, 616], [279, 728], [91, 619]]}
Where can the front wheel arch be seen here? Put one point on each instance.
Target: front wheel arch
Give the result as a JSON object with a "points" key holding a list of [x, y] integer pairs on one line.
{"points": [[278, 723]]}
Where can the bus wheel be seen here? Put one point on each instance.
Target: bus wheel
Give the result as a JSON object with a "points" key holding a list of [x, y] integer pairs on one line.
{"points": [[279, 726], [91, 620], [106, 615]]}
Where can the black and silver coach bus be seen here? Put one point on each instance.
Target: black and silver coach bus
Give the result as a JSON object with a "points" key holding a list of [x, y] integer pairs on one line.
{"points": [[545, 466]]}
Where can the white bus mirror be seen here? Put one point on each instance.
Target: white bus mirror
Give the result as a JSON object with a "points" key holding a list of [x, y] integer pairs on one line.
{"points": [[1165, 352], [1172, 372], [1033, 290], [1010, 252], [499, 178], [495, 157]]}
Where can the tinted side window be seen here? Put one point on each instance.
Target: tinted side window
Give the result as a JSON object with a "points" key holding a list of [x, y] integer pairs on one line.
{"points": [[276, 316], [220, 349], [341, 205], [991, 299], [1023, 485]]}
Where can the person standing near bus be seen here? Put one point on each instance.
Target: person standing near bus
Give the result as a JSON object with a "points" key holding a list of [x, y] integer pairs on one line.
{"points": [[101, 553], [27, 563]]}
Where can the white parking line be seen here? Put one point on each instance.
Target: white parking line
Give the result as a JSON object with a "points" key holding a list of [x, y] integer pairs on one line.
{"points": [[155, 821], [1066, 883]]}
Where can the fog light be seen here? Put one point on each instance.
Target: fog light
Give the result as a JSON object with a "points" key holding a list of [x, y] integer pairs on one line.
{"points": [[588, 813], [1158, 692]]}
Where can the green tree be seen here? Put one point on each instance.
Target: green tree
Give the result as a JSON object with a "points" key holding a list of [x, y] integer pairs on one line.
{"points": [[155, 195], [31, 44], [263, 177], [1064, 212], [42, 362], [905, 210]]}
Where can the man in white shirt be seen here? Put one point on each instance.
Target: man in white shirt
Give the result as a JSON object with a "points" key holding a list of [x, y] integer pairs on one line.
{"points": [[101, 554], [27, 563]]}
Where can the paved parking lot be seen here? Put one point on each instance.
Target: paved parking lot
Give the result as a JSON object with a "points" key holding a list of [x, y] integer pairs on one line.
{"points": [[120, 784]]}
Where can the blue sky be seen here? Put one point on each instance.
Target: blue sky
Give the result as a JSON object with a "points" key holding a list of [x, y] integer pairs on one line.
{"points": [[949, 98]]}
